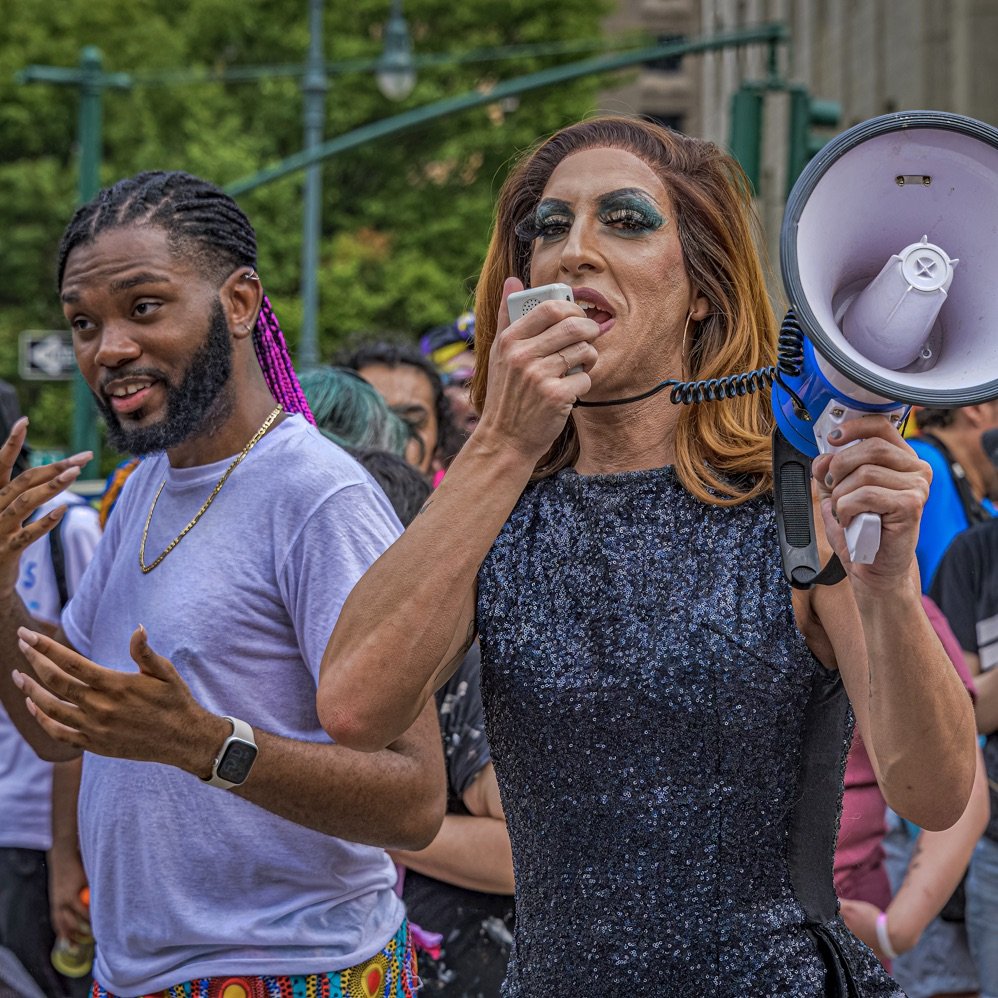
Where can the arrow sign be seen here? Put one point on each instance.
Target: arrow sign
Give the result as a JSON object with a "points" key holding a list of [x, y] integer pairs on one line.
{"points": [[46, 355]]}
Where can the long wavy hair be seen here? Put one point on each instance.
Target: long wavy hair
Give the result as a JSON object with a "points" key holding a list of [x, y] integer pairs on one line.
{"points": [[722, 449]]}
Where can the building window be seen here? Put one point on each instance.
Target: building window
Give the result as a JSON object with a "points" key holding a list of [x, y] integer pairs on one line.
{"points": [[670, 64]]}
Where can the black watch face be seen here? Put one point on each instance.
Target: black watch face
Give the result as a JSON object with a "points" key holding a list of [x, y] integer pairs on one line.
{"points": [[236, 762]]}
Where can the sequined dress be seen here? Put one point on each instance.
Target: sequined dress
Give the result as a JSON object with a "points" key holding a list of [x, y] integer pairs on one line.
{"points": [[669, 752]]}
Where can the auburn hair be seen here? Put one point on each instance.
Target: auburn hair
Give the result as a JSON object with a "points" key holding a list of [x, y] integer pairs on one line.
{"points": [[722, 449]]}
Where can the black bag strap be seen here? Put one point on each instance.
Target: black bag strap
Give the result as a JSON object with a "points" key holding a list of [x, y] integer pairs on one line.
{"points": [[972, 508]]}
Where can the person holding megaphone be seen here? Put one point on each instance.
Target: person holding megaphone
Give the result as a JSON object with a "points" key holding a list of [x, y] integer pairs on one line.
{"points": [[668, 717]]}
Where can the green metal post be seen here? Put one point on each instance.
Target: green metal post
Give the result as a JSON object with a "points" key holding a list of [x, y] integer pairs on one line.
{"points": [[802, 143], [85, 433], [314, 87], [746, 131]]}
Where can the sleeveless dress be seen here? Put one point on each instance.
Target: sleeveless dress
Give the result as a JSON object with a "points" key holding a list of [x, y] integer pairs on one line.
{"points": [[668, 750]]}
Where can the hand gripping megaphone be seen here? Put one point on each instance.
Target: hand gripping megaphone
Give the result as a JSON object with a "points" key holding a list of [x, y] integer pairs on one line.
{"points": [[889, 254]]}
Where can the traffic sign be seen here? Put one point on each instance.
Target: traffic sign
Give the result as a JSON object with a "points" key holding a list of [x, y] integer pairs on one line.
{"points": [[46, 355]]}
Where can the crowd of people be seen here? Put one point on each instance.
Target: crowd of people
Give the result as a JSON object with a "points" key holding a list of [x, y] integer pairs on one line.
{"points": [[466, 665]]}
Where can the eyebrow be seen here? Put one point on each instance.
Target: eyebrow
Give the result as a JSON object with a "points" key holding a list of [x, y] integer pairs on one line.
{"points": [[124, 284], [554, 203], [626, 192], [136, 279]]}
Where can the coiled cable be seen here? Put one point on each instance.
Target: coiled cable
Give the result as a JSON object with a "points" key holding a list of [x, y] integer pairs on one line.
{"points": [[789, 363]]}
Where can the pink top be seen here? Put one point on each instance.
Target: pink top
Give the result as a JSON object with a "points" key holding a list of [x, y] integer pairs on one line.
{"points": [[859, 872]]}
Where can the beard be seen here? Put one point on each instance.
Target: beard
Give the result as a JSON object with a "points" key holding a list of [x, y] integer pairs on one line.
{"points": [[201, 401]]}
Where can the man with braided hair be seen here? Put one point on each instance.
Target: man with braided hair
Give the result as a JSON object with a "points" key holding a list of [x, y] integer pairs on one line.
{"points": [[232, 848]]}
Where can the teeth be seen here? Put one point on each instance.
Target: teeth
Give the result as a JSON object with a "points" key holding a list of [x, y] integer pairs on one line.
{"points": [[126, 390], [584, 303]]}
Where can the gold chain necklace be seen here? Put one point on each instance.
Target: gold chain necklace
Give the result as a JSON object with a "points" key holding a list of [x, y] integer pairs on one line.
{"points": [[146, 569]]}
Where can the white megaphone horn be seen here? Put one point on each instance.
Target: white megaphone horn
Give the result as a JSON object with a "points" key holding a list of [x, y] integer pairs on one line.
{"points": [[889, 252]]}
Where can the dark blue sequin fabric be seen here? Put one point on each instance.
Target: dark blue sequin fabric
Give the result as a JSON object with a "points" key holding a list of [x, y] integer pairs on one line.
{"points": [[645, 690]]}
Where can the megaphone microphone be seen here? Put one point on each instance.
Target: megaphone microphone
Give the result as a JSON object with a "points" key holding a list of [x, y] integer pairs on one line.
{"points": [[873, 234]]}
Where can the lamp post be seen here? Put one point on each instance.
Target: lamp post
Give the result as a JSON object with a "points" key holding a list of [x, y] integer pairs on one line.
{"points": [[396, 76], [314, 86], [396, 71], [91, 81]]}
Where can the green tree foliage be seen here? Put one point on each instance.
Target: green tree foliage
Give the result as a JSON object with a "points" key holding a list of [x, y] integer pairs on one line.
{"points": [[405, 220]]}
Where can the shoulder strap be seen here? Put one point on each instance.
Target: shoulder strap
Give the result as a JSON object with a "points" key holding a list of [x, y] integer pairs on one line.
{"points": [[57, 550], [972, 508], [795, 519]]}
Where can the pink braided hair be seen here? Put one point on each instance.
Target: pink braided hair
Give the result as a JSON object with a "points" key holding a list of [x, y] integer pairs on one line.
{"points": [[275, 362]]}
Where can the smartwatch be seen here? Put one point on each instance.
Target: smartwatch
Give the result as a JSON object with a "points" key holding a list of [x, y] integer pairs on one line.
{"points": [[235, 758]]}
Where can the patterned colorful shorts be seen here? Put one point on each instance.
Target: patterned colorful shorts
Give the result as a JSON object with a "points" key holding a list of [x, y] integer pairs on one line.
{"points": [[388, 974]]}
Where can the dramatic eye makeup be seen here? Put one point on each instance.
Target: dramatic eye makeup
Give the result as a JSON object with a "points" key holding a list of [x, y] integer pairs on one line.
{"points": [[550, 219], [630, 211]]}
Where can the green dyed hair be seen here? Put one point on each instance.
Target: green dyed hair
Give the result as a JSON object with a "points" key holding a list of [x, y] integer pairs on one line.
{"points": [[351, 413]]}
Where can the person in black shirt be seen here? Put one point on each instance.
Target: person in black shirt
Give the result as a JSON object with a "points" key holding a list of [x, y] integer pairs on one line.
{"points": [[965, 587]]}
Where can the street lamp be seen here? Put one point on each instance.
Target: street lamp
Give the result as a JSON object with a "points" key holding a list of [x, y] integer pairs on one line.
{"points": [[396, 76], [396, 71]]}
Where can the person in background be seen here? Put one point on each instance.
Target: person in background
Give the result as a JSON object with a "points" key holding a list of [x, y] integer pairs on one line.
{"points": [[410, 385], [925, 950], [351, 413], [964, 479], [49, 573], [966, 588], [451, 348]]}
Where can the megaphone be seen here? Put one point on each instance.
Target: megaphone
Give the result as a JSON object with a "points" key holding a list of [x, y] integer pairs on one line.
{"points": [[889, 254]]}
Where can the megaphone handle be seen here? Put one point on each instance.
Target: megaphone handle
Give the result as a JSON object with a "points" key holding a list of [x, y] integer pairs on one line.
{"points": [[863, 532], [863, 538], [795, 519]]}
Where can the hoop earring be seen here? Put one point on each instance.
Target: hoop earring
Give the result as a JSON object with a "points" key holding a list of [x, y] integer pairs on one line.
{"points": [[682, 355]]}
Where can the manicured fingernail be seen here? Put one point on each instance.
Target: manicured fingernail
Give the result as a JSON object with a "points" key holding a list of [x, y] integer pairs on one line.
{"points": [[28, 637], [20, 424], [32, 709], [69, 475], [835, 435], [18, 679], [829, 481], [56, 514], [84, 457]]}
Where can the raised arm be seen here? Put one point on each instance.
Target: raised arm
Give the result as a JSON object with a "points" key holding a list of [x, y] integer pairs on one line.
{"points": [[408, 622], [18, 501], [911, 708]]}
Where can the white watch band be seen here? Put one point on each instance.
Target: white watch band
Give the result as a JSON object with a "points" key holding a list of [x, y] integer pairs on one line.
{"points": [[241, 732]]}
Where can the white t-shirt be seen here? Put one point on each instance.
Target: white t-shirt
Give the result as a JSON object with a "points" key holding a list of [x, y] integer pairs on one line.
{"points": [[190, 881], [25, 780]]}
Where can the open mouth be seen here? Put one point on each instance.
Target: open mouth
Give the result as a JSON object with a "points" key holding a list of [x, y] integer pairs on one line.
{"points": [[596, 307], [127, 395]]}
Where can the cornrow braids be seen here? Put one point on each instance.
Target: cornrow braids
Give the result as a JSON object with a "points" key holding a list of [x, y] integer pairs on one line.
{"points": [[201, 221]]}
